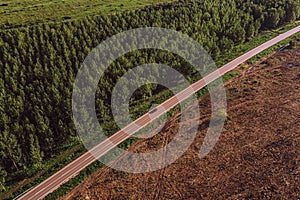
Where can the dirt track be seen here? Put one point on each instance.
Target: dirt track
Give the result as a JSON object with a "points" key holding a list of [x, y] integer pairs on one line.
{"points": [[257, 156]]}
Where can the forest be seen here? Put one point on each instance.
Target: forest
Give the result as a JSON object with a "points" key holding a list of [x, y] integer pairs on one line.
{"points": [[39, 64]]}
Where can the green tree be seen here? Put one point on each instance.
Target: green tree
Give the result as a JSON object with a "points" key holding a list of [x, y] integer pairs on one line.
{"points": [[272, 19], [36, 156], [3, 175], [9, 148], [291, 11]]}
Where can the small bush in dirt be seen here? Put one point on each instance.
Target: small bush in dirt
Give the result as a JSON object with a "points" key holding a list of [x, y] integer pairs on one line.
{"points": [[292, 45], [222, 114]]}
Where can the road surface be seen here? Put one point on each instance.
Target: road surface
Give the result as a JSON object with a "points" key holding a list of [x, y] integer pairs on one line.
{"points": [[72, 169]]}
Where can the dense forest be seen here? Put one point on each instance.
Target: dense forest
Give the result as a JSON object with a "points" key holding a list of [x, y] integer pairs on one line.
{"points": [[39, 63]]}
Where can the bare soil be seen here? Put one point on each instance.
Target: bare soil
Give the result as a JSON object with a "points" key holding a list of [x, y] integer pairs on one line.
{"points": [[256, 157]]}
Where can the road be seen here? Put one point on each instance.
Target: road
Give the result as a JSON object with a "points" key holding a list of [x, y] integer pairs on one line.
{"points": [[72, 169]]}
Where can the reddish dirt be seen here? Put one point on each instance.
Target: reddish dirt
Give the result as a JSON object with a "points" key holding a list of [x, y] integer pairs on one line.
{"points": [[256, 157]]}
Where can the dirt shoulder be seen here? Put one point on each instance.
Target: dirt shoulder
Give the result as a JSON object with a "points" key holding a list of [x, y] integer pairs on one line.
{"points": [[256, 157]]}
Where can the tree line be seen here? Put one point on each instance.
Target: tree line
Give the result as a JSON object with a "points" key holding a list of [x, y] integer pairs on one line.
{"points": [[38, 65]]}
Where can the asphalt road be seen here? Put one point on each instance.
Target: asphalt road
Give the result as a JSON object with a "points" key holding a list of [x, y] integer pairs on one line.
{"points": [[72, 169]]}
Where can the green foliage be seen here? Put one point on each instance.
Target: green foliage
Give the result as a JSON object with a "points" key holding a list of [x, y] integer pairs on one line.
{"points": [[36, 156], [293, 44], [222, 114], [10, 150], [3, 174], [272, 19]]}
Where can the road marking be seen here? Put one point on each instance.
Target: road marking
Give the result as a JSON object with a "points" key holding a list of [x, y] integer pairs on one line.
{"points": [[141, 121], [159, 111], [185, 94]]}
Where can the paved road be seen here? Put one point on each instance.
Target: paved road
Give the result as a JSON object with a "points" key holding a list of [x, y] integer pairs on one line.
{"points": [[72, 169]]}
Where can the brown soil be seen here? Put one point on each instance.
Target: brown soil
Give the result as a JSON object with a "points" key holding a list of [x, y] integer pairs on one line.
{"points": [[256, 157]]}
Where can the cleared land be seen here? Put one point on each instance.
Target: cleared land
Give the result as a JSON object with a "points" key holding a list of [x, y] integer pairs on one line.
{"points": [[257, 156], [20, 12]]}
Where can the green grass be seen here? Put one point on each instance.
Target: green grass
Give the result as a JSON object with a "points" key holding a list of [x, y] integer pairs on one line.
{"points": [[65, 188], [25, 12]]}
